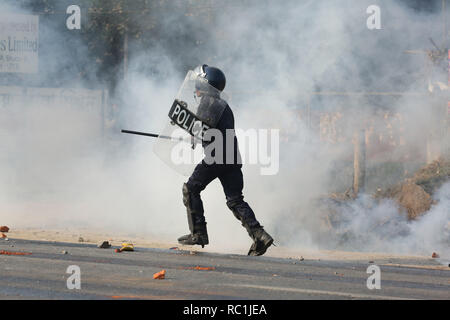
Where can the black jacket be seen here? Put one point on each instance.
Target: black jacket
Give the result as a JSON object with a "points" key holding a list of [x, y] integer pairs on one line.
{"points": [[224, 124]]}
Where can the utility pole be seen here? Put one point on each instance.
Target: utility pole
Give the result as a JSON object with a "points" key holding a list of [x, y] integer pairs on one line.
{"points": [[359, 161]]}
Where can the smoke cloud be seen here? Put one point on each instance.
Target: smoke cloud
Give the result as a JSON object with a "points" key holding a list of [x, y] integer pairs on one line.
{"points": [[64, 167]]}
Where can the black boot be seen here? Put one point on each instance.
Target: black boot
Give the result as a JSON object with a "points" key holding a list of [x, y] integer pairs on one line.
{"points": [[262, 241], [196, 219], [198, 236]]}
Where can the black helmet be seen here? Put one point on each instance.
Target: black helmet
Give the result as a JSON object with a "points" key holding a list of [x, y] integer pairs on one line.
{"points": [[212, 75]]}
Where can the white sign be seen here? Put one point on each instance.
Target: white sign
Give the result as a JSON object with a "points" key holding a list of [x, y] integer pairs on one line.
{"points": [[19, 43]]}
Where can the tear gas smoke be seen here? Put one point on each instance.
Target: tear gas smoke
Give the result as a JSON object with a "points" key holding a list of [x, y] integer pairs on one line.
{"points": [[60, 170]]}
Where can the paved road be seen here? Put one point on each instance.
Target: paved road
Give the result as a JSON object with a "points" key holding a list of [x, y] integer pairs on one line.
{"points": [[106, 274]]}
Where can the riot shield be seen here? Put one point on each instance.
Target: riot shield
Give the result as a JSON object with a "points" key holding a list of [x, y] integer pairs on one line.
{"points": [[196, 108]]}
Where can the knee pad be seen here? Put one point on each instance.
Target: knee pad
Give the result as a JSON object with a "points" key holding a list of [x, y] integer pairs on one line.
{"points": [[234, 202], [186, 198], [191, 195], [242, 211], [194, 209]]}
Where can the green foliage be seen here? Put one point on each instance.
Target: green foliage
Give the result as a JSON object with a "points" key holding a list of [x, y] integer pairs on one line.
{"points": [[175, 27]]}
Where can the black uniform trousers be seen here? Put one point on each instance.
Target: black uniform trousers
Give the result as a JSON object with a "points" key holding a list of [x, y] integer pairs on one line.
{"points": [[232, 182]]}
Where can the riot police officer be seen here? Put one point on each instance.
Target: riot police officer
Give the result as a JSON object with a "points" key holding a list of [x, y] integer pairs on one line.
{"points": [[216, 112]]}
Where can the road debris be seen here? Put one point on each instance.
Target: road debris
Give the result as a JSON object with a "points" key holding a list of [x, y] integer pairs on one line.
{"points": [[198, 268], [104, 245], [435, 255], [80, 239], [174, 248], [4, 229], [127, 247], [160, 275], [3, 235], [202, 268], [64, 252], [13, 253]]}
